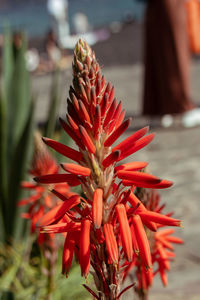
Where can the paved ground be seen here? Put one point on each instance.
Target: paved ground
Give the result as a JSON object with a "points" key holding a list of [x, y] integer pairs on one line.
{"points": [[174, 155]]}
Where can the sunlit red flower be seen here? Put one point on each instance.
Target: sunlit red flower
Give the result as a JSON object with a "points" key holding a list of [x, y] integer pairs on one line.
{"points": [[112, 218], [159, 250]]}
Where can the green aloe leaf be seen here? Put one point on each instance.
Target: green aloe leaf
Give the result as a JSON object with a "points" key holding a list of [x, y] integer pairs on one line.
{"points": [[19, 165], [7, 64], [3, 167], [19, 98]]}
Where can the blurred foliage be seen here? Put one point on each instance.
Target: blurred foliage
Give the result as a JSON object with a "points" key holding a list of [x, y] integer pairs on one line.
{"points": [[21, 277], [22, 271]]}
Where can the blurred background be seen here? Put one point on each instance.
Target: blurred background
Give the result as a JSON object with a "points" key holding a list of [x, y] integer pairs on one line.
{"points": [[150, 52]]}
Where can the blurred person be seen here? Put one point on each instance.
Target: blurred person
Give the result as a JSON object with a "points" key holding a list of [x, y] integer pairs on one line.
{"points": [[52, 48], [59, 11], [167, 61], [80, 23]]}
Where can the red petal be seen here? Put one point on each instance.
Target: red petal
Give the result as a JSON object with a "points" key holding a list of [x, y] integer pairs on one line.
{"points": [[131, 139], [142, 240], [162, 185], [87, 140], [164, 232], [104, 105], [63, 149], [61, 227], [59, 211], [57, 178], [76, 169], [138, 177], [111, 159], [110, 113], [163, 276], [83, 112], [115, 117], [116, 134], [28, 185], [174, 239], [132, 166], [111, 94], [71, 132], [97, 207], [111, 243], [84, 247], [97, 121], [128, 149], [72, 125], [120, 119], [67, 253], [125, 231], [92, 101], [160, 219]]}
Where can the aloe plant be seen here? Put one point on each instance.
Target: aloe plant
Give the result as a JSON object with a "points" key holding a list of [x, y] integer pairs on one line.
{"points": [[16, 125]]}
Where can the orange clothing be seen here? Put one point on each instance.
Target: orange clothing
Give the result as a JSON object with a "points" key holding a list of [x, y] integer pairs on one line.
{"points": [[193, 24]]}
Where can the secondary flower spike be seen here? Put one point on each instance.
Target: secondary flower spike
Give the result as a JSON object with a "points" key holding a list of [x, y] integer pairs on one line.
{"points": [[95, 121]]}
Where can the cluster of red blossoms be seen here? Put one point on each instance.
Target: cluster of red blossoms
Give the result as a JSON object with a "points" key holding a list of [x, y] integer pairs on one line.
{"points": [[104, 229], [161, 248], [41, 198]]}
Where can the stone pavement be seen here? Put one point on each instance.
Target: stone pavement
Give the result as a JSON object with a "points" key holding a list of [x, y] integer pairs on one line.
{"points": [[174, 154]]}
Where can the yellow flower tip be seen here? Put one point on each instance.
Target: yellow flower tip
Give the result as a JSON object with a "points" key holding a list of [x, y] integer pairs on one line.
{"points": [[115, 265], [147, 268], [181, 224], [86, 278], [137, 252], [82, 50]]}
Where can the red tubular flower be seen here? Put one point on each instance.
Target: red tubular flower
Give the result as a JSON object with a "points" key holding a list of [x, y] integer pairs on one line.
{"points": [[59, 211], [134, 201], [111, 159], [68, 250], [63, 149], [87, 140], [84, 247], [76, 169], [159, 218], [131, 140], [111, 243], [125, 231], [142, 241], [114, 136], [97, 207], [61, 227], [132, 166]]}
